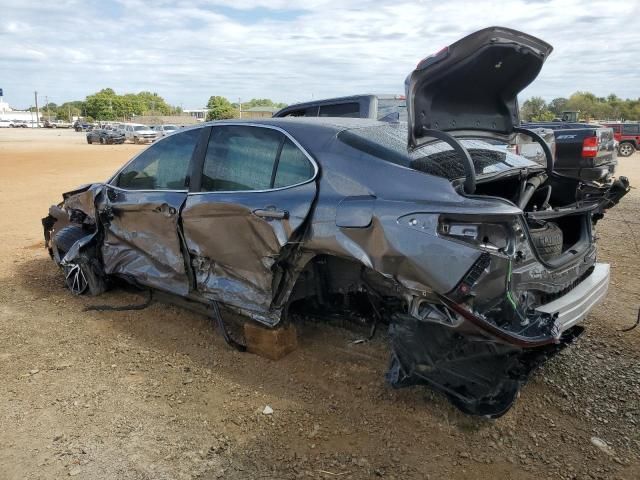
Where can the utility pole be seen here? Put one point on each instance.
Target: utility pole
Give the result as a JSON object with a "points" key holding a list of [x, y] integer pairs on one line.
{"points": [[46, 99], [240, 106], [37, 111]]}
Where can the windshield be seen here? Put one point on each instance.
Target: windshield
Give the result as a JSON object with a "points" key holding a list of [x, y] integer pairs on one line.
{"points": [[389, 142]]}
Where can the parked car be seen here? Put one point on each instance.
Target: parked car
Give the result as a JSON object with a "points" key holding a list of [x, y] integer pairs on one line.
{"points": [[18, 124], [583, 150], [628, 137], [164, 130], [57, 124], [481, 261], [81, 126], [5, 124], [105, 136], [137, 133], [381, 107]]}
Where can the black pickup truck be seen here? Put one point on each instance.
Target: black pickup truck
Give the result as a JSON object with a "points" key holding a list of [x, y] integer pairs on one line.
{"points": [[583, 150]]}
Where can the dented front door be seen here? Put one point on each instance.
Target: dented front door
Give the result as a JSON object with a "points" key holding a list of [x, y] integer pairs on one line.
{"points": [[248, 211], [141, 214]]}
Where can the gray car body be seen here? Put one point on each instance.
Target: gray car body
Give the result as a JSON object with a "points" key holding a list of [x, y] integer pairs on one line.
{"points": [[471, 319]]}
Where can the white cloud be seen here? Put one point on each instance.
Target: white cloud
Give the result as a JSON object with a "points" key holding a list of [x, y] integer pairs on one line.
{"points": [[260, 48]]}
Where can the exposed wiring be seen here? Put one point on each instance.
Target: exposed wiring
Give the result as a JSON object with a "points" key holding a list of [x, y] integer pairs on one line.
{"points": [[121, 308]]}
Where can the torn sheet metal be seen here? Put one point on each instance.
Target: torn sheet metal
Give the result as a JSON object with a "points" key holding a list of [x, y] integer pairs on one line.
{"points": [[236, 243], [479, 375]]}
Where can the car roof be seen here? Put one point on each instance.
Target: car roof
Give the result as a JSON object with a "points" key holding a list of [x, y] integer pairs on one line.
{"points": [[331, 123]]}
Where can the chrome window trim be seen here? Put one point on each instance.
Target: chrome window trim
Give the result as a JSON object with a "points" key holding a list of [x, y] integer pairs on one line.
{"points": [[316, 168]]}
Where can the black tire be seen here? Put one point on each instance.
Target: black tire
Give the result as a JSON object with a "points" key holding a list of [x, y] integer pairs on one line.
{"points": [[626, 149], [82, 275], [547, 240], [67, 236], [89, 141], [135, 140]]}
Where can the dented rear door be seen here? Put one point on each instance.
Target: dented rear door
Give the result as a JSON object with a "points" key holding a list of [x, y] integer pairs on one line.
{"points": [[245, 212]]}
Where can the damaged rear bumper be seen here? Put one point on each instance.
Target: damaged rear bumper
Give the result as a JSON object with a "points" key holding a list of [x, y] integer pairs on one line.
{"points": [[574, 306]]}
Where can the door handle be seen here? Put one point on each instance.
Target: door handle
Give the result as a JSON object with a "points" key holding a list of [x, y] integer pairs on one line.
{"points": [[271, 213], [166, 209]]}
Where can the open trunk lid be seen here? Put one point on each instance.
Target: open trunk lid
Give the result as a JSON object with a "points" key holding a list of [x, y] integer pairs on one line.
{"points": [[472, 85]]}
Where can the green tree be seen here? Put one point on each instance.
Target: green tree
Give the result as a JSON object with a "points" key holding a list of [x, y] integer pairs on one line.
{"points": [[558, 105], [535, 110], [220, 108], [261, 102]]}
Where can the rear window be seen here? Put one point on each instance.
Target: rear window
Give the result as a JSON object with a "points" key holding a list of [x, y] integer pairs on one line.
{"points": [[350, 110], [389, 142], [633, 129]]}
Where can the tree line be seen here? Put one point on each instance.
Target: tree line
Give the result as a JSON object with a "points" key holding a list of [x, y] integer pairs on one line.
{"points": [[108, 105], [589, 105], [220, 108]]}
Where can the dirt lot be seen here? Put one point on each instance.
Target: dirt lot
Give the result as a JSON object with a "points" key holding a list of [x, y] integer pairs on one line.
{"points": [[157, 394]]}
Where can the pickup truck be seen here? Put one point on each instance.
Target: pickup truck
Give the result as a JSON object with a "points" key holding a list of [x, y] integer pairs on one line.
{"points": [[379, 107], [583, 150]]}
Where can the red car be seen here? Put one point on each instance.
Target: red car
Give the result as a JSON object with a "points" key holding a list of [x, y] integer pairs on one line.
{"points": [[628, 137]]}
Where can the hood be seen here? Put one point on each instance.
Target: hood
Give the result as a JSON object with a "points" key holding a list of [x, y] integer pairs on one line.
{"points": [[473, 84]]}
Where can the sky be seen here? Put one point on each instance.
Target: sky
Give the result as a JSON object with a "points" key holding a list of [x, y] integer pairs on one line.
{"points": [[289, 52]]}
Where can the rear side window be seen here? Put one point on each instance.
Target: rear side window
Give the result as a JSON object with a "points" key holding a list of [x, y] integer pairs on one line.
{"points": [[293, 166], [162, 166], [243, 158], [351, 110], [631, 129]]}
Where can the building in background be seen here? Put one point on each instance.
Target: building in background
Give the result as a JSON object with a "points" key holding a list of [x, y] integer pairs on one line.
{"points": [[200, 114], [8, 113], [259, 112]]}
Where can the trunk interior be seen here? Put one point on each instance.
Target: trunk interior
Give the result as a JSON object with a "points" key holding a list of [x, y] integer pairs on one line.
{"points": [[558, 227]]}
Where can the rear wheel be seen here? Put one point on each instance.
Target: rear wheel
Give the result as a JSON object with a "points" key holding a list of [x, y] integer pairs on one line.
{"points": [[89, 141], [626, 149], [136, 140], [102, 140]]}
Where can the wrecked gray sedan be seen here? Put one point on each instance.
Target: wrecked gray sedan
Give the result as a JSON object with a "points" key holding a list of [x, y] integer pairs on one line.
{"points": [[481, 262]]}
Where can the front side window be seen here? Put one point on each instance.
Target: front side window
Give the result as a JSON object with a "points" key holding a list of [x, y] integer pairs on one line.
{"points": [[162, 166], [241, 158]]}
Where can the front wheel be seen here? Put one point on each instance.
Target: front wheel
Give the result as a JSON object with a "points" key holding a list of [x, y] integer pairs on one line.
{"points": [[626, 149], [136, 140], [102, 141], [89, 141]]}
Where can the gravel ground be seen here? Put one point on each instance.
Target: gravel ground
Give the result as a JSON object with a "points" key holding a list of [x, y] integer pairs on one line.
{"points": [[157, 394]]}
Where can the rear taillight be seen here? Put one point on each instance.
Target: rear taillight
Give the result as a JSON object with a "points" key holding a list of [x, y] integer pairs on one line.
{"points": [[590, 147]]}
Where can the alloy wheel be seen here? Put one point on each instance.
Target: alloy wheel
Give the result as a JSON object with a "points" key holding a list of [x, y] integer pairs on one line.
{"points": [[75, 279], [626, 149]]}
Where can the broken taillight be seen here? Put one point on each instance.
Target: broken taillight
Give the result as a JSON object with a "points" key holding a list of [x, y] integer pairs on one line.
{"points": [[590, 147]]}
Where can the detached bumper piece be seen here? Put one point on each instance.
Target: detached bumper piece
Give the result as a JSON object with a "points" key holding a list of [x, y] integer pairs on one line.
{"points": [[479, 375]]}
